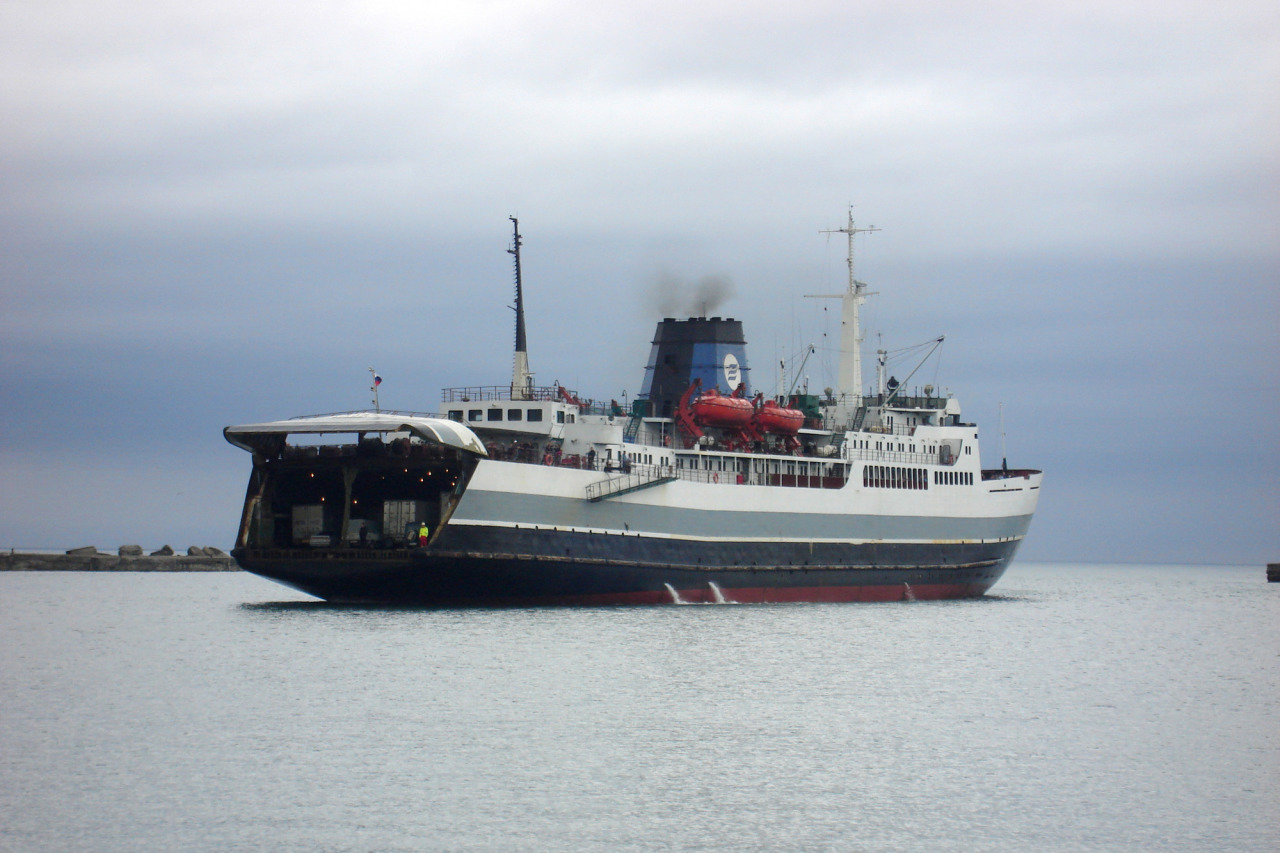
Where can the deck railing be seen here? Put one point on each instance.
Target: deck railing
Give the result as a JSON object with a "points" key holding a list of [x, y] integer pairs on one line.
{"points": [[485, 393], [870, 455]]}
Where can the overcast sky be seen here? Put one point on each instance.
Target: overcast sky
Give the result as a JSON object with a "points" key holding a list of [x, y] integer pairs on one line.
{"points": [[226, 214]]}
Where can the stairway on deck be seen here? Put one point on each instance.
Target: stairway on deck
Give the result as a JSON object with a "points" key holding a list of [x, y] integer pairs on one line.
{"points": [[633, 482], [632, 430]]}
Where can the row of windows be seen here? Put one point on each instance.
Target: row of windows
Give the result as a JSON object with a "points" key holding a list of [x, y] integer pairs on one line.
{"points": [[704, 462], [711, 462], [530, 415], [901, 447], [893, 477], [636, 457], [953, 478]]}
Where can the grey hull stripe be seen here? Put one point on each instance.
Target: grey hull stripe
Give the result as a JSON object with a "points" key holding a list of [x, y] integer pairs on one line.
{"points": [[550, 511]]}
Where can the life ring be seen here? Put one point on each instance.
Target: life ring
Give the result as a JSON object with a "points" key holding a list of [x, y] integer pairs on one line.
{"points": [[666, 441], [547, 460], [715, 478]]}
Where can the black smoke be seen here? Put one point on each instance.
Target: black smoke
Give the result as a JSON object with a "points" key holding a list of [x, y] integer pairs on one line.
{"points": [[673, 296]]}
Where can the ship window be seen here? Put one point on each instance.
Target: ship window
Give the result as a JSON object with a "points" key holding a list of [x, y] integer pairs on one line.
{"points": [[515, 414], [559, 417], [474, 414], [455, 414], [495, 415], [535, 415]]}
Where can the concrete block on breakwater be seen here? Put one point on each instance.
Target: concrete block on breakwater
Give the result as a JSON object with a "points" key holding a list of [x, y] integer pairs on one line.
{"points": [[90, 559]]}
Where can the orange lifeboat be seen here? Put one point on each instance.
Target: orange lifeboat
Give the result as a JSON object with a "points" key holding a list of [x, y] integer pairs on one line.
{"points": [[716, 410], [778, 419]]}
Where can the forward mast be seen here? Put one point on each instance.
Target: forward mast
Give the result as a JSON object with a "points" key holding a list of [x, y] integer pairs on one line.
{"points": [[849, 391]]}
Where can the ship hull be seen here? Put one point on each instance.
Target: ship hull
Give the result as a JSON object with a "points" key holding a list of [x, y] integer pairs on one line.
{"points": [[543, 568]]}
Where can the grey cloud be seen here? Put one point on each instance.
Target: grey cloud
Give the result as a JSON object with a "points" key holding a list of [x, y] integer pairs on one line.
{"points": [[264, 201]]}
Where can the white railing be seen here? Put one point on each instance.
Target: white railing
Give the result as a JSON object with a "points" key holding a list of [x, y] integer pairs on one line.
{"points": [[867, 454]]}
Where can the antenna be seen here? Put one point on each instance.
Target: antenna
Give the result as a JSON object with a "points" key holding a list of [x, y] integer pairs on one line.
{"points": [[515, 250], [851, 230], [520, 375]]}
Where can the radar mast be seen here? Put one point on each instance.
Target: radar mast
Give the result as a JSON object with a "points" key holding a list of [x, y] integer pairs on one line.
{"points": [[849, 392]]}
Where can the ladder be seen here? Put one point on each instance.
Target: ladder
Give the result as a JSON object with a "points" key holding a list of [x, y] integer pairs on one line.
{"points": [[632, 430]]}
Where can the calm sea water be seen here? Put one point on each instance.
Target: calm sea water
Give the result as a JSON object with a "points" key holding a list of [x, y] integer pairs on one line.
{"points": [[1077, 708]]}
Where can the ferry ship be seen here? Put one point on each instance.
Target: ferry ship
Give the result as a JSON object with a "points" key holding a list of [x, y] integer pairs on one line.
{"points": [[699, 491]]}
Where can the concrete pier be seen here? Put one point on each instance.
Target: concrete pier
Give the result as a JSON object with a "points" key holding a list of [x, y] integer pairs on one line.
{"points": [[16, 561]]}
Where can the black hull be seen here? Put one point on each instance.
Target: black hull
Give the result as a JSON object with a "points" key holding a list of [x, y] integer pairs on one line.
{"points": [[502, 567]]}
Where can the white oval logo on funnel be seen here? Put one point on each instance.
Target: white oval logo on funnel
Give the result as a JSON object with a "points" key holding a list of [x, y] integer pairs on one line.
{"points": [[732, 376]]}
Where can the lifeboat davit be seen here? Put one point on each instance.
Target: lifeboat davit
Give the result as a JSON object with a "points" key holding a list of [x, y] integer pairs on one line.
{"points": [[779, 419], [716, 410]]}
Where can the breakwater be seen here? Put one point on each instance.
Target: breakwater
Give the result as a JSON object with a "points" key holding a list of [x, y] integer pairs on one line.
{"points": [[127, 559]]}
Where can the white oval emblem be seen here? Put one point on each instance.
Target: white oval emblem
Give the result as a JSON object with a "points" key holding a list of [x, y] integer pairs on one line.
{"points": [[732, 376]]}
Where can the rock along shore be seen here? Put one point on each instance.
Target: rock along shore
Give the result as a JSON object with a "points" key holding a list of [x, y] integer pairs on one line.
{"points": [[101, 562]]}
